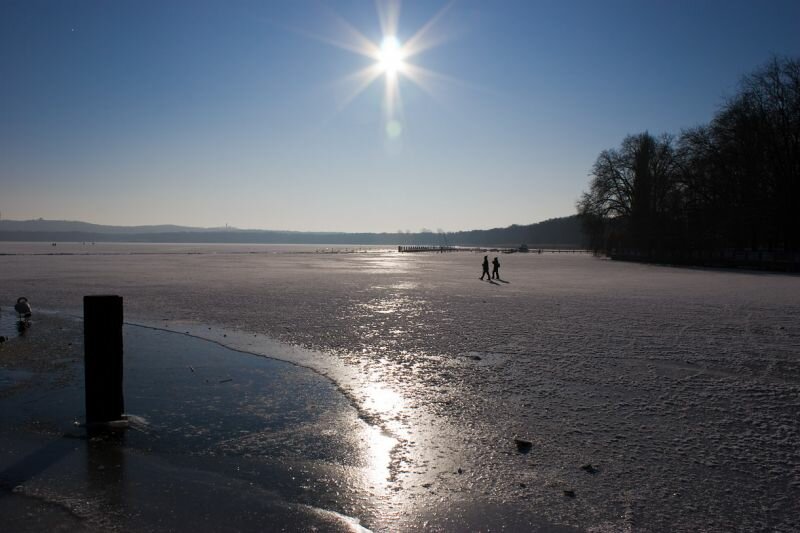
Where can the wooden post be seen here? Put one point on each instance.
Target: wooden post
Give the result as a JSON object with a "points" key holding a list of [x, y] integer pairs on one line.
{"points": [[102, 331]]}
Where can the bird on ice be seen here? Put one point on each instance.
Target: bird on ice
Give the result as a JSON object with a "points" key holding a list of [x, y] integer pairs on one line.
{"points": [[23, 308]]}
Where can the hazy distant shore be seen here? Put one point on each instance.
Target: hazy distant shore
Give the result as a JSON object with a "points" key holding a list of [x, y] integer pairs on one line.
{"points": [[677, 389], [564, 231]]}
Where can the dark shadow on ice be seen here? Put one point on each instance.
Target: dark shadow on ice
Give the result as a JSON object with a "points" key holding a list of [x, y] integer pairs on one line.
{"points": [[105, 466], [34, 464]]}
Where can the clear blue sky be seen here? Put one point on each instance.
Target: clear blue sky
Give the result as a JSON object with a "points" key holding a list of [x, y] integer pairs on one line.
{"points": [[207, 113]]}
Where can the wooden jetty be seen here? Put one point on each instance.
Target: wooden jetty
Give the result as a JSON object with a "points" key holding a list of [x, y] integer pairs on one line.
{"points": [[424, 248], [504, 250]]}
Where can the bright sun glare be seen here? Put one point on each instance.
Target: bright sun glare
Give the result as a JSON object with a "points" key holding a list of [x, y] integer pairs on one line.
{"points": [[390, 56]]}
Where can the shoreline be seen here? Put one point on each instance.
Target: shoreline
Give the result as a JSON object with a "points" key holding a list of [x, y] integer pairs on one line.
{"points": [[240, 342], [48, 408]]}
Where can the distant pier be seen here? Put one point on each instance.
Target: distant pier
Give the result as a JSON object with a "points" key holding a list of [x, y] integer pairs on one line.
{"points": [[441, 249], [504, 250]]}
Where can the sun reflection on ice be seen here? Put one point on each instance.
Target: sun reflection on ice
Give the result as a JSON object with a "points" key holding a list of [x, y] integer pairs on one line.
{"points": [[382, 401], [377, 472], [390, 263], [383, 404]]}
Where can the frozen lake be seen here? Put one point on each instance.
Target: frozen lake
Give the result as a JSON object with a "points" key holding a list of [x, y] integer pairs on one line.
{"points": [[680, 387]]}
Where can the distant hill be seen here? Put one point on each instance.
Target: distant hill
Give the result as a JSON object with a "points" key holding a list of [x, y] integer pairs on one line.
{"points": [[563, 232], [42, 225]]}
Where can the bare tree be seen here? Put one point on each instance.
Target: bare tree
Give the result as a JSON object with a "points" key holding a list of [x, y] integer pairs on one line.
{"points": [[632, 185]]}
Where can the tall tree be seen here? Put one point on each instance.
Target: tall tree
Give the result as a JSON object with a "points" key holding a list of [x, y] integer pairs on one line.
{"points": [[631, 186], [758, 134]]}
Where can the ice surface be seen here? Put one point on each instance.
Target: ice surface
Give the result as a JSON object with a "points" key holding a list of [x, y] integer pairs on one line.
{"points": [[680, 386]]}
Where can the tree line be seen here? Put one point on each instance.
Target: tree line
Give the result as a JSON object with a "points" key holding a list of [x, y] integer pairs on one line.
{"points": [[732, 184]]}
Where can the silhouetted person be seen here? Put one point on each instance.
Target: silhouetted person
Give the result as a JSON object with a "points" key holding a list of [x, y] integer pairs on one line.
{"points": [[495, 269], [486, 268]]}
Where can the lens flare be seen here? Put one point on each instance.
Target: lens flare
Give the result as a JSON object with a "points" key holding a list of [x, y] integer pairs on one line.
{"points": [[394, 129]]}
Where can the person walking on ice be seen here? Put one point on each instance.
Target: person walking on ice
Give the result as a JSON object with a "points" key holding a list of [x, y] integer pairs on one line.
{"points": [[486, 268], [495, 269]]}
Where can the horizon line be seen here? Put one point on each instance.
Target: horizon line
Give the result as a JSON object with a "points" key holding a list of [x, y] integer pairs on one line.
{"points": [[226, 227]]}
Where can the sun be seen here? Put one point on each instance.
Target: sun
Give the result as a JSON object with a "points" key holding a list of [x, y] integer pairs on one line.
{"points": [[390, 59], [390, 56]]}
